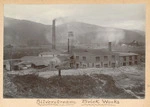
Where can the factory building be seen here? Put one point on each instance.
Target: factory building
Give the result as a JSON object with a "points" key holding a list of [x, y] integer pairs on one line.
{"points": [[88, 58], [95, 58]]}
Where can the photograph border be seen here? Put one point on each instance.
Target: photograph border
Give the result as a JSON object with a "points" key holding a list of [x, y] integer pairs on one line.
{"points": [[24, 102]]}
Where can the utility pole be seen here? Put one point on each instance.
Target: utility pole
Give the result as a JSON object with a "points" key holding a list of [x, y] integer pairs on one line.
{"points": [[59, 71]]}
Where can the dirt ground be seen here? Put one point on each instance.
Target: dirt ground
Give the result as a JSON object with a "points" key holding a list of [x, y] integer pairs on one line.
{"points": [[137, 72], [131, 79]]}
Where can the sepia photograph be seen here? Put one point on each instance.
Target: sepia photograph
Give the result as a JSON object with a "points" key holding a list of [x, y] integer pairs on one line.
{"points": [[74, 51]]}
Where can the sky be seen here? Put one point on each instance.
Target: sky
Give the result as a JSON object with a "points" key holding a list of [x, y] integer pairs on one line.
{"points": [[126, 16]]}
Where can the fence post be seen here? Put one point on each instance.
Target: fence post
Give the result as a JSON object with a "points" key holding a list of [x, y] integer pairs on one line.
{"points": [[59, 72]]}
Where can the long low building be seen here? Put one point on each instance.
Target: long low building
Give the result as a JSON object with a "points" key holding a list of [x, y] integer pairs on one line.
{"points": [[103, 58], [39, 62], [109, 59], [95, 58]]}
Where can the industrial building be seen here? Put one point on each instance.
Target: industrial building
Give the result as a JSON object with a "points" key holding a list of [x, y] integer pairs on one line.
{"points": [[103, 58], [95, 58], [87, 58]]}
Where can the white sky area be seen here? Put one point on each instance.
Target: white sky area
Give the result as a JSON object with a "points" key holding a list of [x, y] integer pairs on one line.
{"points": [[126, 16]]}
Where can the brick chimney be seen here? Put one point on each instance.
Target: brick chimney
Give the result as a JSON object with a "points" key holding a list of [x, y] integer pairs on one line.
{"points": [[109, 46], [70, 41]]}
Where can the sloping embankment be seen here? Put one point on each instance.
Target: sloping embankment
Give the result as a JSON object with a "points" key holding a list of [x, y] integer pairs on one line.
{"points": [[81, 86]]}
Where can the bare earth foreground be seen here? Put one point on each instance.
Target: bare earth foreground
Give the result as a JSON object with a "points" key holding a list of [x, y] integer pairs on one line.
{"points": [[123, 82]]}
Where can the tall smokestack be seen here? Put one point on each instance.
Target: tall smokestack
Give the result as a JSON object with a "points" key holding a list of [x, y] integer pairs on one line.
{"points": [[109, 46], [70, 41], [53, 36]]}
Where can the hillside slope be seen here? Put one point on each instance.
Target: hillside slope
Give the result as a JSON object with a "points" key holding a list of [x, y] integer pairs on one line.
{"points": [[23, 32]]}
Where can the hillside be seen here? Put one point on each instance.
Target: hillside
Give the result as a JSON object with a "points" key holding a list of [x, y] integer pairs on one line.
{"points": [[83, 86], [23, 32]]}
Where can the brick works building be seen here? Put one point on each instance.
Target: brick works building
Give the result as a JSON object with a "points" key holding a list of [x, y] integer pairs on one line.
{"points": [[88, 58]]}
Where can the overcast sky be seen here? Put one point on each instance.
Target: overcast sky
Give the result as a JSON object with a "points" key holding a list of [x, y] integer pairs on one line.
{"points": [[127, 16]]}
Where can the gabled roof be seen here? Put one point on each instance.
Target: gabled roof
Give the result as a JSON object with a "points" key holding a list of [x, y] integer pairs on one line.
{"points": [[37, 60]]}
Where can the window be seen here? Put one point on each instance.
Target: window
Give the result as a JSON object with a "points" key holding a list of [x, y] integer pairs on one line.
{"points": [[130, 63], [77, 57], [124, 58], [113, 57], [113, 64], [80, 63], [130, 57], [98, 66], [77, 65], [97, 59], [71, 57], [135, 62], [124, 64], [84, 58], [105, 58], [135, 57], [105, 65]]}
